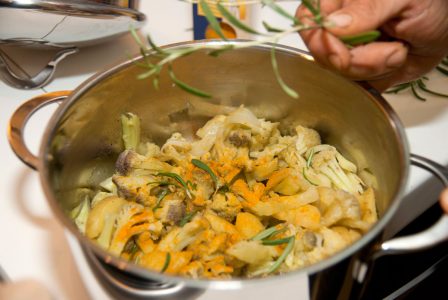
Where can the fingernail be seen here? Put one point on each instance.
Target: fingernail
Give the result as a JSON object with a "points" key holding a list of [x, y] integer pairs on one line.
{"points": [[335, 60], [396, 59], [340, 20]]}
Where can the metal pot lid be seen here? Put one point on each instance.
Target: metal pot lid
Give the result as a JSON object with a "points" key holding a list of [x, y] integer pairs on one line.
{"points": [[74, 23]]}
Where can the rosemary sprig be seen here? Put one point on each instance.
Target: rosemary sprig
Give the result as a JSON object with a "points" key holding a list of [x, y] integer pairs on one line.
{"points": [[267, 233], [307, 166], [306, 177], [167, 262], [212, 21], [283, 256], [160, 197], [363, 38], [289, 91], [232, 19], [178, 179], [187, 218], [310, 158], [276, 242], [279, 10], [415, 86], [167, 56], [201, 165]]}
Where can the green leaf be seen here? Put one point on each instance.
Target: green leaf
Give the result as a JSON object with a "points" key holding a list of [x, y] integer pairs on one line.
{"points": [[267, 233], [154, 46], [214, 23], [147, 74], [442, 70], [282, 257], [361, 38], [314, 9], [178, 179], [422, 86], [414, 91], [398, 88], [187, 218], [276, 242], [234, 21], [278, 9], [207, 169], [160, 198], [216, 53], [167, 262], [137, 38], [310, 158], [306, 177], [186, 87], [289, 91], [270, 28]]}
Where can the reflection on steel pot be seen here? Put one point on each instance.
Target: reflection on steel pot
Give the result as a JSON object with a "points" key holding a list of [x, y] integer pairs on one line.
{"points": [[61, 25], [83, 139]]}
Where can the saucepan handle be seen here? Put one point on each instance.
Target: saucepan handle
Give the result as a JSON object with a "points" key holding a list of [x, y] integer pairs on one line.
{"points": [[18, 122], [432, 236]]}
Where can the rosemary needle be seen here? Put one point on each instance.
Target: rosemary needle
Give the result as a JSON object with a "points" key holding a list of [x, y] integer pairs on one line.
{"points": [[167, 262]]}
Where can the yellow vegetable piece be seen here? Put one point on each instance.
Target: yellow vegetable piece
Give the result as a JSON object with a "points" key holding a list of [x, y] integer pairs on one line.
{"points": [[307, 216], [248, 225], [108, 208], [156, 260], [277, 177]]}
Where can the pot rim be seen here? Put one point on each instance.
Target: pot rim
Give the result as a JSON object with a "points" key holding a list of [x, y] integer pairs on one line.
{"points": [[235, 283]]}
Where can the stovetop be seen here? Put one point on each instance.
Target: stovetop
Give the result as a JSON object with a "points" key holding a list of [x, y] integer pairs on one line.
{"points": [[35, 245]]}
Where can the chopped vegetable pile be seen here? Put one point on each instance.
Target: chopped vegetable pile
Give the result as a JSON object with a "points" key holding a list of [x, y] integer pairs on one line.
{"points": [[242, 200]]}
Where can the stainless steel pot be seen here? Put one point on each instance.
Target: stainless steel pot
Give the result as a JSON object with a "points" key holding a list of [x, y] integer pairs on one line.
{"points": [[61, 25], [83, 137]]}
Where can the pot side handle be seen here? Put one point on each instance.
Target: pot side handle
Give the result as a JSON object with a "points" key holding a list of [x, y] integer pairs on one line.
{"points": [[18, 122], [432, 236]]}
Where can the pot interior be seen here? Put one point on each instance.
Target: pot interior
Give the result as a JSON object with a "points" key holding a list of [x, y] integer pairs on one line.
{"points": [[85, 134]]}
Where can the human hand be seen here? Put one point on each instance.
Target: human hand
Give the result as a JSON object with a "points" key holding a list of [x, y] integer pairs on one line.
{"points": [[444, 200], [418, 30]]}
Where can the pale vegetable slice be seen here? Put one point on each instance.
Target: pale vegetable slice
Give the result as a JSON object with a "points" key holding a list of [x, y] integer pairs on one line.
{"points": [[284, 203], [264, 171], [108, 207], [307, 216], [248, 225], [189, 232], [251, 252], [221, 225], [81, 214], [368, 206]]}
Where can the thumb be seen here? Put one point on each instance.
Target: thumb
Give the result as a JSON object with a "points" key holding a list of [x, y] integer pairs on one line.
{"points": [[444, 200], [362, 15]]}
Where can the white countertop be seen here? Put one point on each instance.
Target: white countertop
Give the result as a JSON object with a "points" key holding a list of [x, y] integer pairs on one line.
{"points": [[33, 242]]}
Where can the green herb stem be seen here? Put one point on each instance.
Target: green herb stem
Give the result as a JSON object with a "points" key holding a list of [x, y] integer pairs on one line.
{"points": [[159, 199], [306, 177], [212, 21], [178, 179], [201, 165], [167, 262], [276, 242], [234, 21], [361, 38], [283, 256], [187, 218], [267, 233]]}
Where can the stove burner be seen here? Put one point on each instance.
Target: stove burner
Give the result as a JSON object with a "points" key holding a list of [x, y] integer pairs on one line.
{"points": [[122, 285]]}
